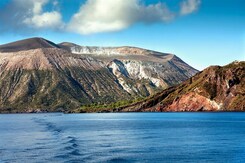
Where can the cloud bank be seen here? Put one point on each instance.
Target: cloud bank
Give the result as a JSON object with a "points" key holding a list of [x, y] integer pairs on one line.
{"points": [[36, 18], [29, 15], [94, 16]]}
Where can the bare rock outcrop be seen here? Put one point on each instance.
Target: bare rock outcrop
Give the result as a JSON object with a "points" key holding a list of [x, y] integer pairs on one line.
{"points": [[37, 75], [214, 89]]}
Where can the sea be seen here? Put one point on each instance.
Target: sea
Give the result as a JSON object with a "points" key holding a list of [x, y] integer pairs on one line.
{"points": [[122, 137]]}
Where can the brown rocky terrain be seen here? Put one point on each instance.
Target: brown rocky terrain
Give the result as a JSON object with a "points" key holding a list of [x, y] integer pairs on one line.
{"points": [[39, 75], [214, 89], [27, 44], [161, 69]]}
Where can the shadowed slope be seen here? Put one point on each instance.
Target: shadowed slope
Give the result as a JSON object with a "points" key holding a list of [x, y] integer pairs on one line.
{"points": [[38, 75], [27, 44], [52, 79]]}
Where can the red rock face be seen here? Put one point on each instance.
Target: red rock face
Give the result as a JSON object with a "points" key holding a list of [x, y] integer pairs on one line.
{"points": [[214, 89], [193, 102]]}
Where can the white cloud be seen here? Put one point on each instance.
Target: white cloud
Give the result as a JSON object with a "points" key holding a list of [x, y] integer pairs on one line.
{"points": [[155, 12], [36, 18], [94, 16], [45, 20], [37, 6], [189, 6], [103, 16], [113, 15], [29, 15]]}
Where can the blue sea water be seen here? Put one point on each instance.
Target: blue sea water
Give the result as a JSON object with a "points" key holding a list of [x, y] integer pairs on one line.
{"points": [[123, 137]]}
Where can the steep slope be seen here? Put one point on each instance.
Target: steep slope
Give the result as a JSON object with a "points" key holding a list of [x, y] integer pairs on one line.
{"points": [[27, 44], [38, 75], [130, 63], [53, 79], [214, 89]]}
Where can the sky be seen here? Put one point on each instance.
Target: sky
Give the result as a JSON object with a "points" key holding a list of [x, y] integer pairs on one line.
{"points": [[200, 32]]}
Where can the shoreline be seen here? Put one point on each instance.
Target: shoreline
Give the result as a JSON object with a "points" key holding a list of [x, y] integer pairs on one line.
{"points": [[20, 113]]}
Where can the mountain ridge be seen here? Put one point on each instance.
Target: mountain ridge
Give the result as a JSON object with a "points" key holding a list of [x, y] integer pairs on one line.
{"points": [[215, 88], [27, 44], [38, 75]]}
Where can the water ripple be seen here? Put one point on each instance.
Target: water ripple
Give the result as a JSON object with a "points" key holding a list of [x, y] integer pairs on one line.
{"points": [[147, 137]]}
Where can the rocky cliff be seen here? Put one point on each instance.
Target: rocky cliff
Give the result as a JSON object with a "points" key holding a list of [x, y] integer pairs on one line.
{"points": [[214, 89], [162, 70], [39, 75]]}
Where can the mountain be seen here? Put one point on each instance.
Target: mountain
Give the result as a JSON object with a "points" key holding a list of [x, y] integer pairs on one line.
{"points": [[214, 89], [27, 44], [39, 75], [161, 69]]}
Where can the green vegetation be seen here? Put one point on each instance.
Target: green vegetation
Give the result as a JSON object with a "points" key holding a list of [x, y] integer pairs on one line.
{"points": [[63, 90], [106, 107], [211, 89]]}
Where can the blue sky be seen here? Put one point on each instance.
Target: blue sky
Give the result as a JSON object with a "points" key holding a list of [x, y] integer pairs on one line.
{"points": [[201, 32]]}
